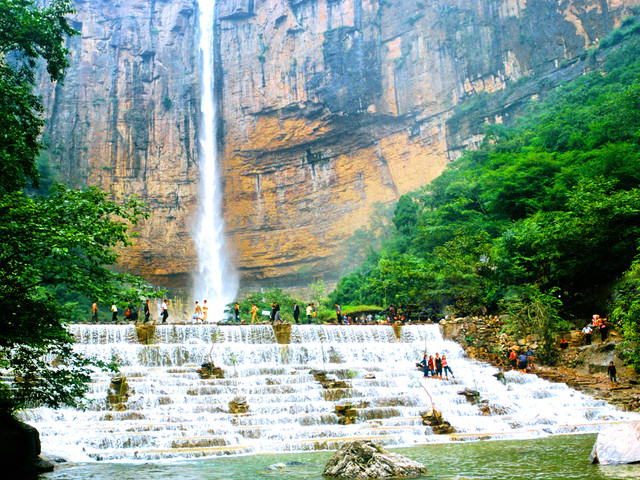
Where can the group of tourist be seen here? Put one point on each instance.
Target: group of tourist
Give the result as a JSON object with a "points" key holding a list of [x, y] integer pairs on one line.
{"points": [[597, 324], [436, 367], [521, 361], [200, 313], [130, 313]]}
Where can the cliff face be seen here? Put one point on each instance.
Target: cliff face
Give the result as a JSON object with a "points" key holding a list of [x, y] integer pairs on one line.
{"points": [[327, 108], [126, 120]]}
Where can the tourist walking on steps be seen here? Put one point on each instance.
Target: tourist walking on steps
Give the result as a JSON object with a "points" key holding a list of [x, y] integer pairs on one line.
{"points": [[272, 317], [164, 311], [586, 331], [522, 362], [296, 311], [446, 368], [611, 371], [114, 313], [275, 313], [604, 330], [205, 309], [438, 366], [254, 312], [197, 313], [530, 354], [94, 312], [236, 312], [513, 359], [147, 311]]}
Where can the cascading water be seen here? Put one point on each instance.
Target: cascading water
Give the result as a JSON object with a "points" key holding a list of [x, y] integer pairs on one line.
{"points": [[216, 282], [173, 413]]}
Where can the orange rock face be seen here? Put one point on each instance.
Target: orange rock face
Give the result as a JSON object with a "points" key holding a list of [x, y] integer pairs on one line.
{"points": [[327, 108]]}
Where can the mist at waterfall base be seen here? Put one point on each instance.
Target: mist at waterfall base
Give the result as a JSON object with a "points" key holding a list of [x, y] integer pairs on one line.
{"points": [[173, 415], [216, 281]]}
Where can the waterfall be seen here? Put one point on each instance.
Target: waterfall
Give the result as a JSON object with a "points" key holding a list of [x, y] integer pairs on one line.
{"points": [[216, 282], [173, 413]]}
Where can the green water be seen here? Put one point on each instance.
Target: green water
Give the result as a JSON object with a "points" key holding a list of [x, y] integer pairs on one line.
{"points": [[564, 458]]}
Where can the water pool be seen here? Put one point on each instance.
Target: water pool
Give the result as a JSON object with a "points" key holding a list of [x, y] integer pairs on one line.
{"points": [[560, 457]]}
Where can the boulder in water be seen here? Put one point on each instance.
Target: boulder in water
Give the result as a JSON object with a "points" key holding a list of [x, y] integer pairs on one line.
{"points": [[617, 444], [20, 450], [363, 459], [433, 419], [238, 405]]}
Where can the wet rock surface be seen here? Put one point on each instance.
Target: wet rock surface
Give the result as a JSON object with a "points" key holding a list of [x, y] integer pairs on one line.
{"points": [[363, 459], [209, 370], [433, 419], [617, 444], [238, 405], [118, 394], [20, 450]]}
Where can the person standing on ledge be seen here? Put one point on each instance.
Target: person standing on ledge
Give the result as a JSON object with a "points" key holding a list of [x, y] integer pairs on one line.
{"points": [[276, 317], [147, 311], [94, 312], [611, 371], [338, 313], [197, 313], [236, 312], [309, 312], [604, 330], [254, 312], [204, 312], [587, 334], [165, 311], [296, 311], [114, 313], [446, 369]]}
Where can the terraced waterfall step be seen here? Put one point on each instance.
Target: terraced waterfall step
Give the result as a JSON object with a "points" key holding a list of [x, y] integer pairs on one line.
{"points": [[171, 412]]}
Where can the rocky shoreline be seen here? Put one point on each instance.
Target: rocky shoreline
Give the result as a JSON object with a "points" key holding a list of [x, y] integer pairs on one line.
{"points": [[582, 367]]}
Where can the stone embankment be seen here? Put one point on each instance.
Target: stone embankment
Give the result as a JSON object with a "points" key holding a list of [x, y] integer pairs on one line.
{"points": [[583, 367]]}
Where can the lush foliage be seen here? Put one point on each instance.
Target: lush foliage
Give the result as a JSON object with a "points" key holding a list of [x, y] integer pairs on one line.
{"points": [[53, 246], [547, 210], [28, 33], [625, 312]]}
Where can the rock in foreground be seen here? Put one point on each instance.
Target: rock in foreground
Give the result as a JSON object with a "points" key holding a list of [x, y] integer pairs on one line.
{"points": [[617, 444], [363, 459]]}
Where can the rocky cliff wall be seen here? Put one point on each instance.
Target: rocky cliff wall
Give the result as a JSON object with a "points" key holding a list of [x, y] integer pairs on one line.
{"points": [[327, 108], [126, 120]]}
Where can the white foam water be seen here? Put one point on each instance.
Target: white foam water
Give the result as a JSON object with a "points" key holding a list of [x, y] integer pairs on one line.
{"points": [[173, 413]]}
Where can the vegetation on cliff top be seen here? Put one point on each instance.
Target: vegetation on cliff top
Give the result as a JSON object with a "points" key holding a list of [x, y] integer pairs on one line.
{"points": [[53, 243], [547, 208]]}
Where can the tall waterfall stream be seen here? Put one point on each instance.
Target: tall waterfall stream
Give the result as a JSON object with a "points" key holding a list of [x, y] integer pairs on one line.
{"points": [[216, 281], [173, 413]]}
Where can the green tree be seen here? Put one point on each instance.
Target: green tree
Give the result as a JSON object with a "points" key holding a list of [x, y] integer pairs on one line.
{"points": [[531, 311], [65, 241], [65, 238], [28, 33], [625, 312]]}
